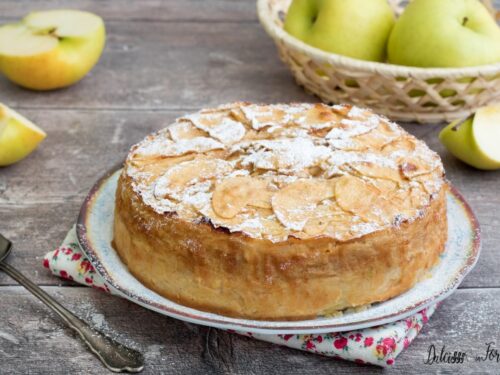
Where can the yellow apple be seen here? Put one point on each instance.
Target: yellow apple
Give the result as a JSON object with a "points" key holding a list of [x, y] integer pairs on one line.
{"points": [[354, 28], [476, 140], [51, 49], [18, 136], [444, 33]]}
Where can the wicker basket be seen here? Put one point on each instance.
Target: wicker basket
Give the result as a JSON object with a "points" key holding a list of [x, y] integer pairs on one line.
{"points": [[426, 95]]}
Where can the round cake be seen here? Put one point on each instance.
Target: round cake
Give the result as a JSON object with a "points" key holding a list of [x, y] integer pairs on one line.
{"points": [[280, 212]]}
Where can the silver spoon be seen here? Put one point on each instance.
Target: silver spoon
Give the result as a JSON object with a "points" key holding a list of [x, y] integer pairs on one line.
{"points": [[115, 356]]}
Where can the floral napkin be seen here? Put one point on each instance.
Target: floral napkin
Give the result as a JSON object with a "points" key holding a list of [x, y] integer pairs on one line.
{"points": [[377, 345]]}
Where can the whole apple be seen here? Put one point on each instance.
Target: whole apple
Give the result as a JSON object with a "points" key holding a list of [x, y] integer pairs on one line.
{"points": [[354, 28], [51, 49], [444, 33]]}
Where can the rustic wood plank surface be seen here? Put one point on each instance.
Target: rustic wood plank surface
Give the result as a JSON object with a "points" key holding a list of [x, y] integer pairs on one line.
{"points": [[172, 65], [143, 10], [164, 58], [30, 334]]}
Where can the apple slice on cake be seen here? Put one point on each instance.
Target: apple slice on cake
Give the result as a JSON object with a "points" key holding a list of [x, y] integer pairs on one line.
{"points": [[51, 49]]}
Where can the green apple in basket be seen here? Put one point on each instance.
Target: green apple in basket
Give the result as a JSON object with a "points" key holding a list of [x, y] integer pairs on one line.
{"points": [[476, 141], [51, 49], [445, 33], [354, 28]]}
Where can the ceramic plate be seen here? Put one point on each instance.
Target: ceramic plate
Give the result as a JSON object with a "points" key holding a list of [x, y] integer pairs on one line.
{"points": [[95, 228]]}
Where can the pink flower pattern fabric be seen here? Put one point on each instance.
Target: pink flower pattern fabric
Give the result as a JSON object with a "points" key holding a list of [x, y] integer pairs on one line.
{"points": [[376, 345], [69, 262]]}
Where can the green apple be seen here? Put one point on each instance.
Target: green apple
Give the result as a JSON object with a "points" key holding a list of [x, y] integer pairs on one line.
{"points": [[51, 49], [444, 33], [354, 28], [18, 136], [476, 140]]}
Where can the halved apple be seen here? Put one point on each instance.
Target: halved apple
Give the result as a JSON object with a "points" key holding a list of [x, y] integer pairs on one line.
{"points": [[476, 140], [51, 49], [486, 132], [18, 136]]}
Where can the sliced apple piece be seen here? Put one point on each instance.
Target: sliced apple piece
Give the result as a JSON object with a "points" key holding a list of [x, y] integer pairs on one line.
{"points": [[18, 136], [232, 195], [51, 49], [473, 140], [297, 203], [486, 132]]}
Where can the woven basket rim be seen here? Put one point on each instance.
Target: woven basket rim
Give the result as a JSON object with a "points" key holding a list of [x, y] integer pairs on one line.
{"points": [[386, 69]]}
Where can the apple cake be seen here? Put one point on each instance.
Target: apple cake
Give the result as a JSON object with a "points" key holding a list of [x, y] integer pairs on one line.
{"points": [[280, 212]]}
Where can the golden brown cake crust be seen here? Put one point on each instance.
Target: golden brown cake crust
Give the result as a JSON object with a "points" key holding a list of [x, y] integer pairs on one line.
{"points": [[193, 259], [232, 274]]}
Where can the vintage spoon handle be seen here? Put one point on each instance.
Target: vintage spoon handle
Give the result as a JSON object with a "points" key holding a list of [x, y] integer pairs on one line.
{"points": [[115, 356]]}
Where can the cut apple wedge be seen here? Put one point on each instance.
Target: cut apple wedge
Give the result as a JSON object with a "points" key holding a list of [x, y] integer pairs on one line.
{"points": [[486, 132], [476, 140], [18, 136], [51, 49]]}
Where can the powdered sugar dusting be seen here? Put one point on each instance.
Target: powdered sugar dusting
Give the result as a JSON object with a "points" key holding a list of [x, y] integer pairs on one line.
{"points": [[281, 144], [218, 126], [166, 147], [284, 155], [352, 128], [295, 224]]}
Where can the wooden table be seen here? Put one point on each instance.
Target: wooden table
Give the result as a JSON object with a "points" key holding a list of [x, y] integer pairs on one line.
{"points": [[163, 59]]}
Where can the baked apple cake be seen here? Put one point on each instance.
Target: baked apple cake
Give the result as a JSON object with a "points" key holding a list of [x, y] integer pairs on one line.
{"points": [[280, 212]]}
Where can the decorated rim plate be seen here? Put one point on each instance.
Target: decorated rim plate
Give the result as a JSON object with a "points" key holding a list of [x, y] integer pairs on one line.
{"points": [[95, 233]]}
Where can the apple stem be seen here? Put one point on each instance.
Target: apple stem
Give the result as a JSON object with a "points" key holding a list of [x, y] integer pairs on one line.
{"points": [[461, 122], [465, 20]]}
